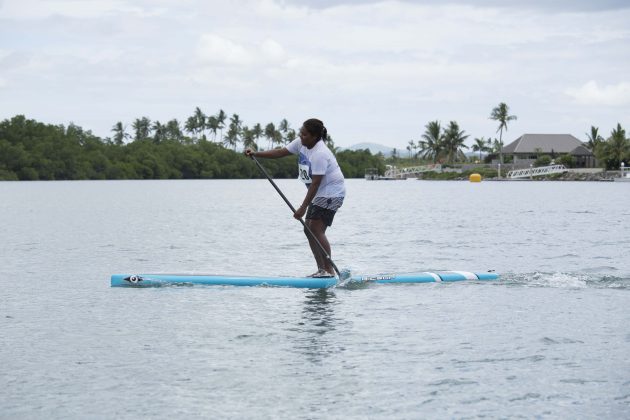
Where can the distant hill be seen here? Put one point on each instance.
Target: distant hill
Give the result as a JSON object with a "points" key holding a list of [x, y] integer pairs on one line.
{"points": [[374, 148], [402, 151]]}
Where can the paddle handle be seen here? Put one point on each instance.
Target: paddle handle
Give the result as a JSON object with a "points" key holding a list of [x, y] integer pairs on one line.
{"points": [[310, 232]]}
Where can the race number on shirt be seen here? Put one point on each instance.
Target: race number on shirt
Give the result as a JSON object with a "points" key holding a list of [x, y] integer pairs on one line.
{"points": [[303, 174]]}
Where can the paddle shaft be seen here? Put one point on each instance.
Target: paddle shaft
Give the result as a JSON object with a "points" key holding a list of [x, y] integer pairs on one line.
{"points": [[310, 232]]}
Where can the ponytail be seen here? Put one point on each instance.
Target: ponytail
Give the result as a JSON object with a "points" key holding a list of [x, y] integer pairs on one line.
{"points": [[316, 128]]}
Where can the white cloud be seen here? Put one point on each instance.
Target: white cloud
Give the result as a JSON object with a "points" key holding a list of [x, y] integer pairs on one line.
{"points": [[387, 65], [272, 50], [79, 9], [562, 5], [214, 49], [591, 93], [39, 9], [273, 9]]}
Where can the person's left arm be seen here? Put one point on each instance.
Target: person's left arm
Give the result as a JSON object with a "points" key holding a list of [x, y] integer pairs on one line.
{"points": [[310, 194]]}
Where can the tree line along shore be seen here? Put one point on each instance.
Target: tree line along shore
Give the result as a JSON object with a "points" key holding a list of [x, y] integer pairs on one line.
{"points": [[31, 150], [205, 147]]}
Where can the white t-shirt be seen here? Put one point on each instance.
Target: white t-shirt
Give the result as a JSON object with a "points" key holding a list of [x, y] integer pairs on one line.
{"points": [[319, 161]]}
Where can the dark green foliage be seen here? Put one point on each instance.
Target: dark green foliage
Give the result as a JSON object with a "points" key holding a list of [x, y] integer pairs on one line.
{"points": [[442, 176], [484, 172], [353, 163], [614, 150], [543, 160], [567, 160], [30, 150]]}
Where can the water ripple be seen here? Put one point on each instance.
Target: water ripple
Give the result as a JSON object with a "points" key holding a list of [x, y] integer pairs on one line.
{"points": [[453, 382], [587, 279], [556, 321]]}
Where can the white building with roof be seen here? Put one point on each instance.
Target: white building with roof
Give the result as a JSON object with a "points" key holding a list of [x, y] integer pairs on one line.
{"points": [[530, 147]]}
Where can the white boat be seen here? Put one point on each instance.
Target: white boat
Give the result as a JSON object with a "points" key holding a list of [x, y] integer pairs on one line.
{"points": [[625, 174]]}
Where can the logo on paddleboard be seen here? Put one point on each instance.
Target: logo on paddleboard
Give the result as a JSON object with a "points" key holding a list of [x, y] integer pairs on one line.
{"points": [[376, 278], [134, 279]]}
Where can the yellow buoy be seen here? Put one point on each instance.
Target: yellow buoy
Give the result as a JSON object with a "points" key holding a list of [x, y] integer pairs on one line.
{"points": [[474, 178]]}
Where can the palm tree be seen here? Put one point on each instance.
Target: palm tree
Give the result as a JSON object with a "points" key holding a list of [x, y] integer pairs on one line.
{"points": [[283, 126], [410, 147], [277, 137], [212, 124], [221, 116], [142, 128], [270, 133], [191, 126], [119, 133], [289, 136], [454, 142], [257, 133], [594, 139], [616, 149], [431, 147], [249, 141], [494, 146], [201, 121], [173, 130], [501, 114], [159, 132], [234, 132], [284, 129], [480, 146]]}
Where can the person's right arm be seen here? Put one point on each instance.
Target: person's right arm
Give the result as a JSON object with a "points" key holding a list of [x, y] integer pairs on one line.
{"points": [[269, 154]]}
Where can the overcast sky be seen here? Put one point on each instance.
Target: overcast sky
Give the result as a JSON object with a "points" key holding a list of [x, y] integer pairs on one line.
{"points": [[372, 71]]}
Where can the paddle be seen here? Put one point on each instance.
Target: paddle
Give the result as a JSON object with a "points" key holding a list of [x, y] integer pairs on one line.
{"points": [[293, 210]]}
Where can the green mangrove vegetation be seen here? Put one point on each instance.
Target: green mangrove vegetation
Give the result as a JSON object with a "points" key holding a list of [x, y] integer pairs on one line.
{"points": [[31, 150], [209, 147]]}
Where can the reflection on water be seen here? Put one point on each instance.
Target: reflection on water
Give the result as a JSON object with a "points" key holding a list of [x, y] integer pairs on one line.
{"points": [[318, 319]]}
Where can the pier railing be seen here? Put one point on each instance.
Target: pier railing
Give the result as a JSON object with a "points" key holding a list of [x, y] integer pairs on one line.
{"points": [[539, 171], [394, 172]]}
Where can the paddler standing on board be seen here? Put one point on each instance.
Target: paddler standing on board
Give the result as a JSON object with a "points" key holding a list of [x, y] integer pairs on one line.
{"points": [[319, 171]]}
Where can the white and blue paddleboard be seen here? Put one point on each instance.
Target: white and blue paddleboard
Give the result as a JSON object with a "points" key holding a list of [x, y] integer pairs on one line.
{"points": [[425, 277], [156, 280]]}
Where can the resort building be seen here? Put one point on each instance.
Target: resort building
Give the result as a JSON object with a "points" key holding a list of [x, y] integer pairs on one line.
{"points": [[529, 147]]}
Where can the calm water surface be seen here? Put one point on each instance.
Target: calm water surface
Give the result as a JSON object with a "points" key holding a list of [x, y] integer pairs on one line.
{"points": [[550, 340]]}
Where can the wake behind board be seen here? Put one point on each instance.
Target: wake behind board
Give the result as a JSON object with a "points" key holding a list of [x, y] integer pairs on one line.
{"points": [[157, 280]]}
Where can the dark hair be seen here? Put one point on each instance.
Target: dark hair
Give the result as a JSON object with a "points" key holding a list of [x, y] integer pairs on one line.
{"points": [[316, 128]]}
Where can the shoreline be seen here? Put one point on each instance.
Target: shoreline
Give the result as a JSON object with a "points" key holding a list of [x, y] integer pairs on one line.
{"points": [[601, 176]]}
